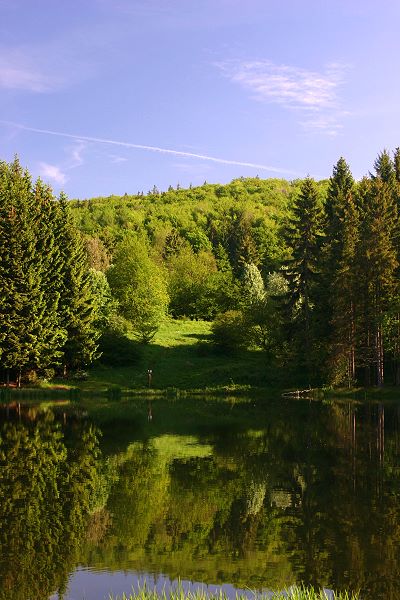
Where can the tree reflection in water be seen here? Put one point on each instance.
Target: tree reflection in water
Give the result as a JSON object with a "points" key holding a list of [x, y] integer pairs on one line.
{"points": [[260, 497], [47, 482]]}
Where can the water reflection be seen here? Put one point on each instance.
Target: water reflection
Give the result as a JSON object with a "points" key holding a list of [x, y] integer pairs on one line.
{"points": [[47, 480], [256, 496]]}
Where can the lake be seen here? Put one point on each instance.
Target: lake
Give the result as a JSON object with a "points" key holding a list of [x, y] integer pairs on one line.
{"points": [[97, 496]]}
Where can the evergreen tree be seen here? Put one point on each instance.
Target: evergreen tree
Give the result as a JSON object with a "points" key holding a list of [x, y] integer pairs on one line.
{"points": [[376, 264], [29, 330], [49, 264], [336, 298], [384, 168], [302, 236], [77, 307], [396, 162], [46, 311], [388, 172], [340, 185], [343, 300]]}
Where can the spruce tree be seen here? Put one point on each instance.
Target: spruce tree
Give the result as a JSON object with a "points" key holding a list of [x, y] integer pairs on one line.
{"points": [[77, 306], [384, 168], [46, 308], [302, 235], [396, 162], [336, 308], [377, 264], [344, 300], [49, 264], [23, 295], [388, 172]]}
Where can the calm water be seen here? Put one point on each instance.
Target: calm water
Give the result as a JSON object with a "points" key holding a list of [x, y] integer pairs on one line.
{"points": [[259, 495]]}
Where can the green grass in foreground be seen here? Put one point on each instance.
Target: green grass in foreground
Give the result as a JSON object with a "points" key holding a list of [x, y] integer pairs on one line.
{"points": [[181, 356], [294, 593]]}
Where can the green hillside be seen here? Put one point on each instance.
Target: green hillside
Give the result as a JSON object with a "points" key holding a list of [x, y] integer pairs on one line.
{"points": [[242, 217]]}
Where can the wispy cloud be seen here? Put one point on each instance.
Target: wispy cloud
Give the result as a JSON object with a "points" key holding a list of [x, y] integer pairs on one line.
{"points": [[52, 172], [15, 75], [312, 94], [76, 154], [59, 173], [169, 151]]}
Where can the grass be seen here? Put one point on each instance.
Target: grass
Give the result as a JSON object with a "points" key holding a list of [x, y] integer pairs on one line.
{"points": [[294, 593], [184, 361], [182, 358]]}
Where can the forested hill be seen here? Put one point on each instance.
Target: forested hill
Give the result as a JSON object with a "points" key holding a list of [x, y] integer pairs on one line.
{"points": [[242, 217], [307, 271]]}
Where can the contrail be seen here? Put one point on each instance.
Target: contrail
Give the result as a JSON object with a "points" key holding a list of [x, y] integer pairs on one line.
{"points": [[97, 140]]}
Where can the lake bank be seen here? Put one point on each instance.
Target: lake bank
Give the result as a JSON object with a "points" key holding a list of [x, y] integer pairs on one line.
{"points": [[203, 593], [183, 361]]}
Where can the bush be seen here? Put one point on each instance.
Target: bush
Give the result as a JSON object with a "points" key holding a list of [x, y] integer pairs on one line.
{"points": [[117, 350], [229, 330]]}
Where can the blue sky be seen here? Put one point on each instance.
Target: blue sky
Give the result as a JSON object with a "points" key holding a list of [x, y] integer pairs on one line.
{"points": [[104, 97]]}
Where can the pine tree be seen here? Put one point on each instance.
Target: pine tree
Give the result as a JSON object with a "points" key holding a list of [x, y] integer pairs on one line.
{"points": [[302, 236], [344, 300], [384, 168], [77, 307], [388, 172], [376, 264], [336, 298], [22, 291], [396, 162], [49, 264]]}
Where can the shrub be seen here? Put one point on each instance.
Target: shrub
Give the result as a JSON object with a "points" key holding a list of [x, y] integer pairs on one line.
{"points": [[117, 349], [229, 330]]}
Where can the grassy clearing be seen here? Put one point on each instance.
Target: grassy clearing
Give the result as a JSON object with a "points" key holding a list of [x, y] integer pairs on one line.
{"points": [[182, 357], [294, 593]]}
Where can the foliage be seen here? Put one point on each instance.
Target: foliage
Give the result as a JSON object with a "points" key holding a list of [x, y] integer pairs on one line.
{"points": [[253, 290], [106, 305], [138, 284], [208, 251], [230, 330], [98, 255], [263, 316], [47, 312], [117, 349], [196, 287]]}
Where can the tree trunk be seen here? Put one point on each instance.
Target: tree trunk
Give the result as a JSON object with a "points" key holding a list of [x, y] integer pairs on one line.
{"points": [[378, 358], [397, 353]]}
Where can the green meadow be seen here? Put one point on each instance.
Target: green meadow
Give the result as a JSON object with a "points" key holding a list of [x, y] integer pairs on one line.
{"points": [[182, 358]]}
